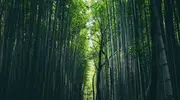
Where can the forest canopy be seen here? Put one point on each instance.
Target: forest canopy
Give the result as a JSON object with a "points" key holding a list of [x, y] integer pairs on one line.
{"points": [[89, 50]]}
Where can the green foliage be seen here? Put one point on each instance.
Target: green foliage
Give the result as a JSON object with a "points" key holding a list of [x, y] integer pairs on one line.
{"points": [[79, 17], [98, 7]]}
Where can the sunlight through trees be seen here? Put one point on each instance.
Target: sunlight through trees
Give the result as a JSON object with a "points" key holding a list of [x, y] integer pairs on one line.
{"points": [[89, 50]]}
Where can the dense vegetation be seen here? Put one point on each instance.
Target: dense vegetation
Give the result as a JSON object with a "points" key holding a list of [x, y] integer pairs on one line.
{"points": [[89, 50]]}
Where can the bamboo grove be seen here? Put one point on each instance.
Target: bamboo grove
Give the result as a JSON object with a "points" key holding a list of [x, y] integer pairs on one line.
{"points": [[45, 52], [39, 58]]}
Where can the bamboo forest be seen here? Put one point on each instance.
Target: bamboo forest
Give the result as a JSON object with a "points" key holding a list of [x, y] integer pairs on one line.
{"points": [[89, 49]]}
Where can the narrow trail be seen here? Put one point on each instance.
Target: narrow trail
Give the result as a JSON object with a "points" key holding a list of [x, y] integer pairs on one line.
{"points": [[89, 50]]}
